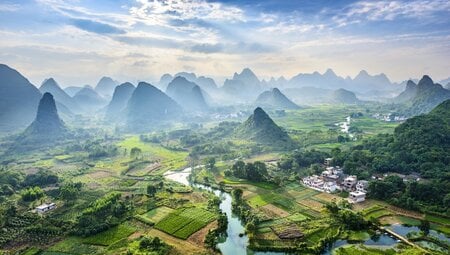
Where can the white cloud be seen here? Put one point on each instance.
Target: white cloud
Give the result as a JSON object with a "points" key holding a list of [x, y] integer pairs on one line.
{"points": [[186, 9], [6, 7], [390, 10]]}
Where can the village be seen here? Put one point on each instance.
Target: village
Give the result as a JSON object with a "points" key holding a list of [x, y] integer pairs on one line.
{"points": [[333, 180]]}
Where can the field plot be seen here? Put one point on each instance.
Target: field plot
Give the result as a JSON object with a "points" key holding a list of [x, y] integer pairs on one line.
{"points": [[376, 212], [304, 194], [157, 214], [111, 235], [274, 212], [277, 200], [297, 217], [74, 245], [184, 222], [313, 204], [327, 197]]}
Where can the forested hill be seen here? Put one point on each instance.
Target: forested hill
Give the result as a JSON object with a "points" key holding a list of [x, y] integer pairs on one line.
{"points": [[422, 145]]}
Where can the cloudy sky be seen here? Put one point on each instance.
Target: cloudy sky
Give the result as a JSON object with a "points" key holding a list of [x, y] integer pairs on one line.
{"points": [[77, 41]]}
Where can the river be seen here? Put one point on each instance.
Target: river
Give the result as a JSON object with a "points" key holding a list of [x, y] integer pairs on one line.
{"points": [[236, 241]]}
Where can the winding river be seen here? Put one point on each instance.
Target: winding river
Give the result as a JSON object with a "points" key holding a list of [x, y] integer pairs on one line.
{"points": [[234, 244]]}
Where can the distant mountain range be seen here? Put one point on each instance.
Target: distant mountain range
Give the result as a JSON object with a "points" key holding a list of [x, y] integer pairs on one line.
{"points": [[313, 95], [205, 83], [275, 99], [189, 94]]}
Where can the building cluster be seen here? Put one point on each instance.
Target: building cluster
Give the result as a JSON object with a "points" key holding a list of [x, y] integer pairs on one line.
{"points": [[390, 117], [333, 179]]}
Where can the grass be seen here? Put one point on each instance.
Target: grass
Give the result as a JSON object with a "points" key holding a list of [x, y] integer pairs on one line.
{"points": [[358, 236], [297, 217], [408, 221], [258, 201], [441, 228], [378, 214], [184, 222], [111, 235], [437, 219]]}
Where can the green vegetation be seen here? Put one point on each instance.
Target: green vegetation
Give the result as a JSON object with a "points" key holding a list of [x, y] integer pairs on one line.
{"points": [[113, 198], [418, 145], [110, 236], [184, 222]]}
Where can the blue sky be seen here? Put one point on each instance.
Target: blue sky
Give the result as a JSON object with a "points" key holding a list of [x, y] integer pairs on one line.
{"points": [[78, 41]]}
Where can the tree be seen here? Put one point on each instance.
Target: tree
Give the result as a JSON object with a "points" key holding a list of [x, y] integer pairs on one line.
{"points": [[210, 163], [69, 191], [239, 170], [237, 194], [31, 194], [425, 226], [250, 227], [135, 152], [151, 190]]}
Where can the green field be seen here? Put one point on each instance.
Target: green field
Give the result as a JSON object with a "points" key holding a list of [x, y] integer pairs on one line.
{"points": [[184, 222], [155, 215], [170, 159], [73, 245], [110, 236], [438, 219]]}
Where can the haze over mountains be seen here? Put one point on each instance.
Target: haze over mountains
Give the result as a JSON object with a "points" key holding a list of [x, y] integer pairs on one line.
{"points": [[275, 99], [187, 93], [116, 107], [18, 99], [52, 87]]}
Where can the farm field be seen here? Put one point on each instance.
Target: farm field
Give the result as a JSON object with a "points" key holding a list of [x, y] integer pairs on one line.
{"points": [[111, 235], [184, 222]]}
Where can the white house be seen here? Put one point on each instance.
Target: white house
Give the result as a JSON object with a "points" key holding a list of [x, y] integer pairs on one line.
{"points": [[329, 187], [356, 197], [362, 186], [349, 182], [45, 207]]}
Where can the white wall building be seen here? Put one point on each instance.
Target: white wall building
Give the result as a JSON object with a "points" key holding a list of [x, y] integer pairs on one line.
{"points": [[356, 197], [45, 207]]}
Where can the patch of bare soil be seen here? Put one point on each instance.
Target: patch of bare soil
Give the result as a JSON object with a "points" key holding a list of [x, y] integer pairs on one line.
{"points": [[273, 211], [198, 237]]}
